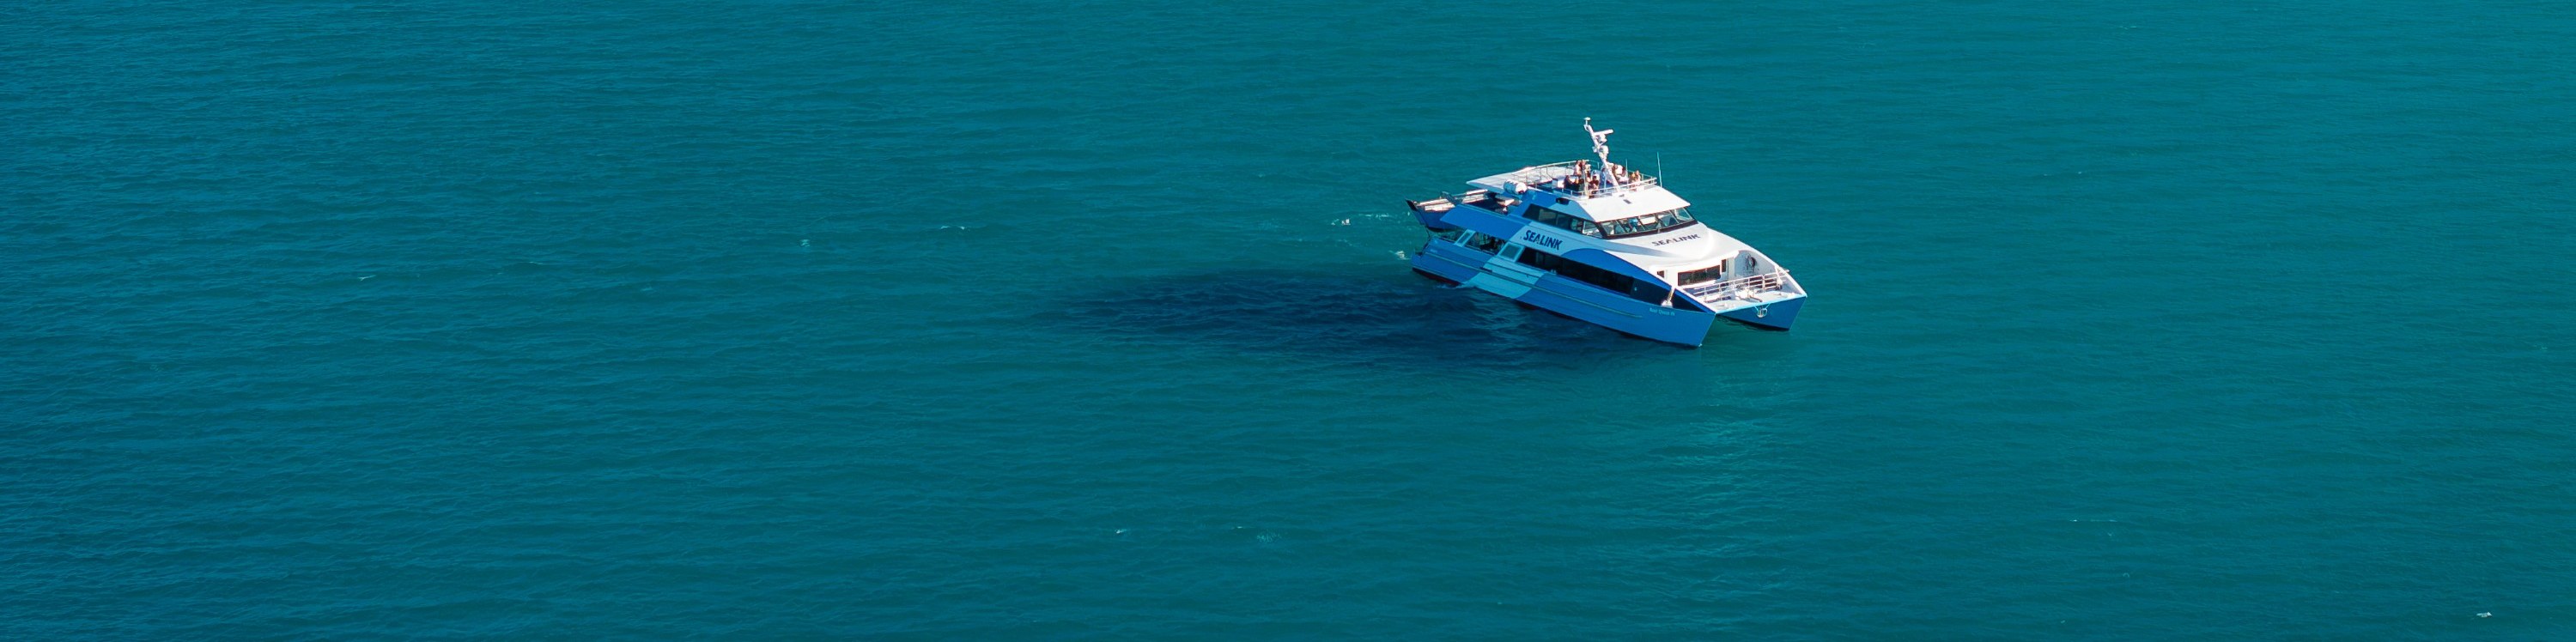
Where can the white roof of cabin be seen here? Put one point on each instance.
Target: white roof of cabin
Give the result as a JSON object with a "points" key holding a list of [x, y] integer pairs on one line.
{"points": [[1638, 202]]}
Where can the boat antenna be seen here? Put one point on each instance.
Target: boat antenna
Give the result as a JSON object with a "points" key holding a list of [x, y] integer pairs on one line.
{"points": [[1659, 168], [1601, 148]]}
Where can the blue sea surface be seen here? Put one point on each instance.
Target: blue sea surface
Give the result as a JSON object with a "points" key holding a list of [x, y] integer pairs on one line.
{"points": [[989, 321]]}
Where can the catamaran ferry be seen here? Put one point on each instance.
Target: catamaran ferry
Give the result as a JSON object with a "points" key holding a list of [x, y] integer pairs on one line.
{"points": [[1603, 243]]}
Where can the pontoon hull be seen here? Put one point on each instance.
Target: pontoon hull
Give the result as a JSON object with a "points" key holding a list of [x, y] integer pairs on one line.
{"points": [[1769, 316], [1574, 299]]}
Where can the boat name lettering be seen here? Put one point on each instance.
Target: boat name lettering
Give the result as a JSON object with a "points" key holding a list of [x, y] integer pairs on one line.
{"points": [[1677, 239], [1533, 238]]}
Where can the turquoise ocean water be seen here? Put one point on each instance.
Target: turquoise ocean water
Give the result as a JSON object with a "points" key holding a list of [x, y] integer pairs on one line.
{"points": [[896, 319]]}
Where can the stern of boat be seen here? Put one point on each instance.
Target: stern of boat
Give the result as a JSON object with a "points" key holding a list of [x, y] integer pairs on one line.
{"points": [[1768, 301]]}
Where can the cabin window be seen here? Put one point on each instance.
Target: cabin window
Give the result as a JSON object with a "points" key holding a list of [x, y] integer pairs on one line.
{"points": [[1647, 291], [1648, 224], [1478, 241], [1562, 221], [1713, 273], [1541, 260]]}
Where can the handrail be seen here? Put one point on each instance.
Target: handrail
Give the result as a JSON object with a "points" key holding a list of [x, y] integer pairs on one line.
{"points": [[1759, 282], [1637, 182], [1536, 174]]}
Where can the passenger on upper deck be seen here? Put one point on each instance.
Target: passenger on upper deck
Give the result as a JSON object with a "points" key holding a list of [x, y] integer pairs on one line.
{"points": [[1579, 182]]}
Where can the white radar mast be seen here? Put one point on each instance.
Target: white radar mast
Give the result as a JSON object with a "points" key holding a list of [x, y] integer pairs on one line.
{"points": [[1601, 148]]}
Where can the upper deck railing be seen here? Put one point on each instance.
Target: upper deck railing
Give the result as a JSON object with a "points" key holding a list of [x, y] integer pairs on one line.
{"points": [[1731, 288], [1571, 178]]}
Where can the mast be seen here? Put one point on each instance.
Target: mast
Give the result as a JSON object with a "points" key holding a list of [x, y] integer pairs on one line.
{"points": [[1601, 148]]}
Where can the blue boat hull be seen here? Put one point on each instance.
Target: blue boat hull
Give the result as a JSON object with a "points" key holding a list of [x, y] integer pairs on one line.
{"points": [[1574, 299], [1769, 316]]}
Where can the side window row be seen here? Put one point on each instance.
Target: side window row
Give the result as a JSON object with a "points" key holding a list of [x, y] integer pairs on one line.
{"points": [[1636, 226], [1650, 292], [1561, 220], [1648, 224]]}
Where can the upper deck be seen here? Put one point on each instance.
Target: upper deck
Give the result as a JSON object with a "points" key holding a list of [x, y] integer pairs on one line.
{"points": [[1577, 189], [1591, 193], [1572, 179]]}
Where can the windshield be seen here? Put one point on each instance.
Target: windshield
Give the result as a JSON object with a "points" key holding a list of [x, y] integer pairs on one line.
{"points": [[1647, 224]]}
